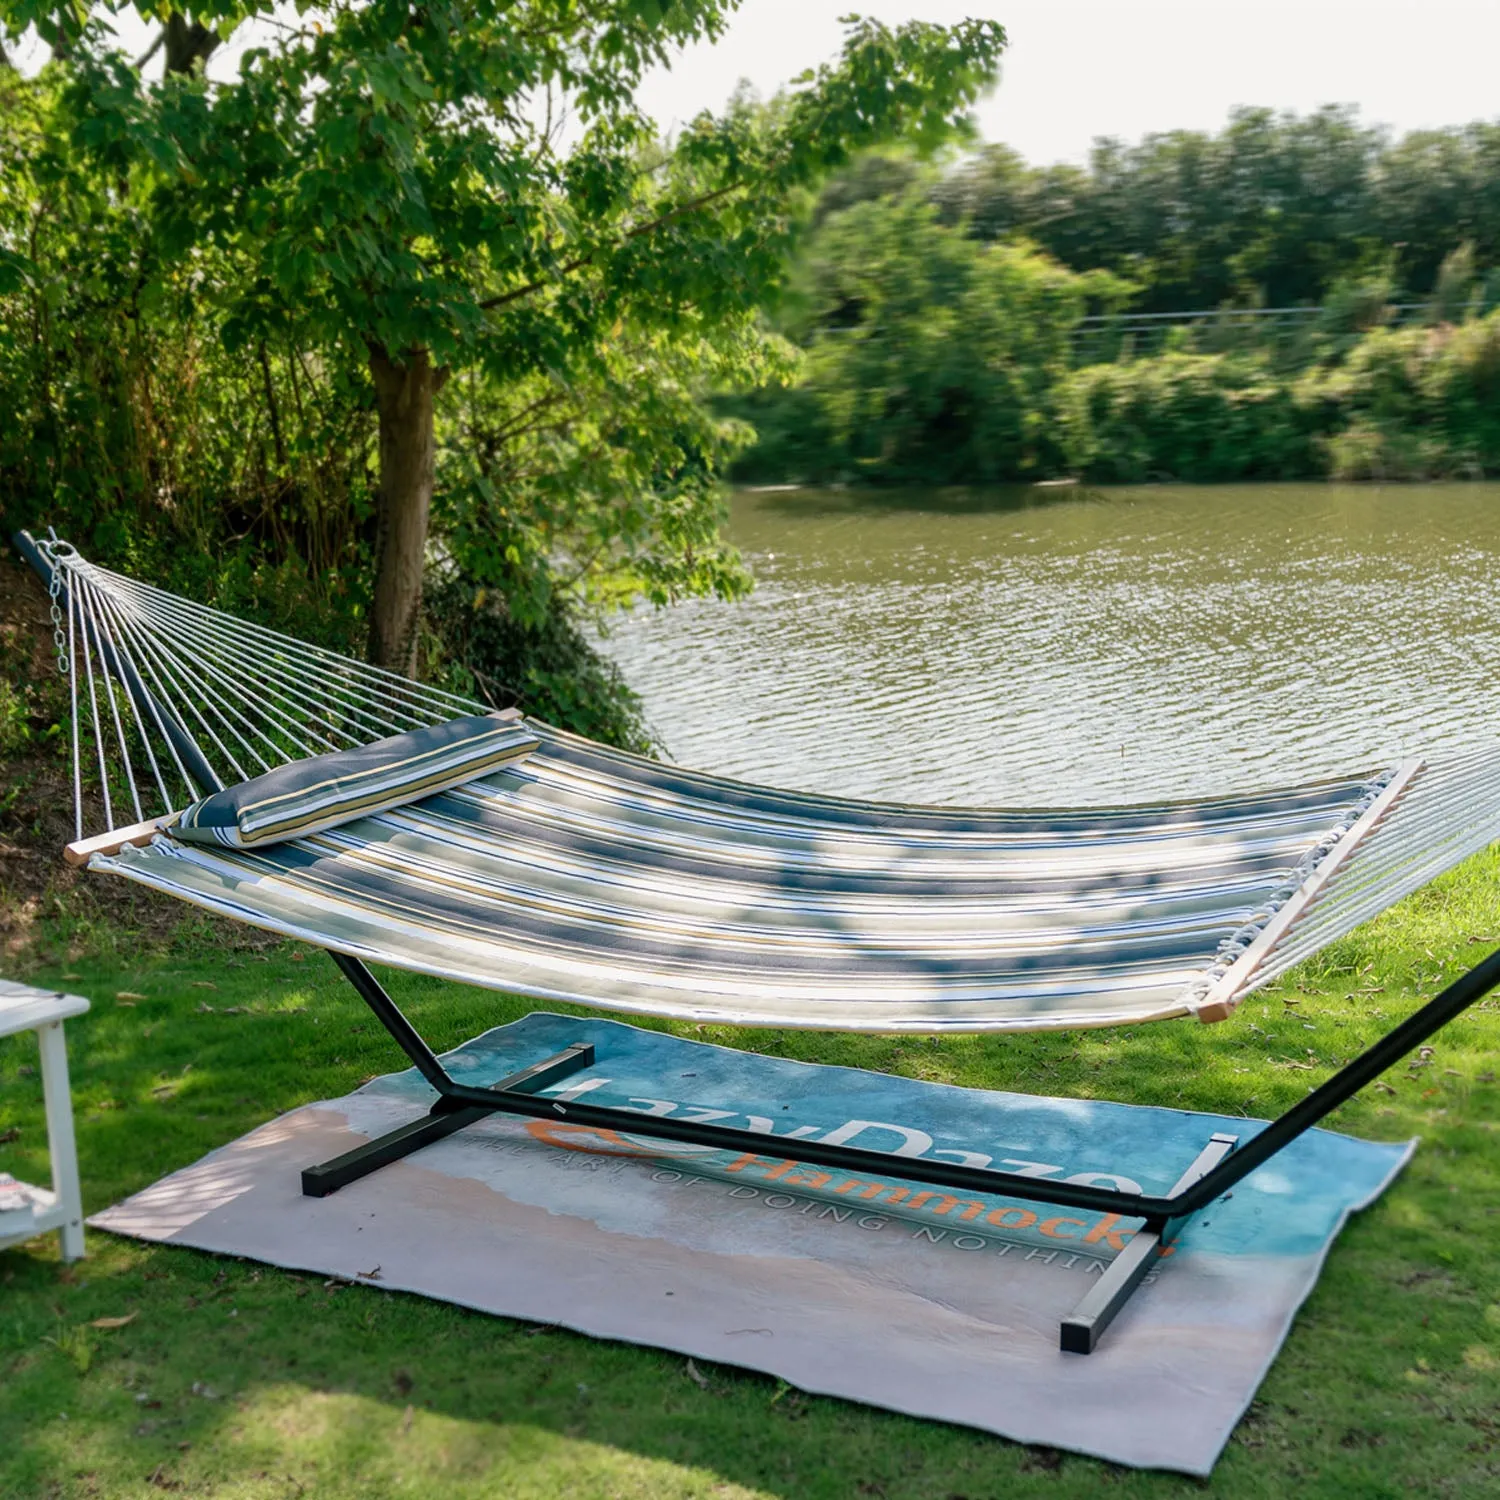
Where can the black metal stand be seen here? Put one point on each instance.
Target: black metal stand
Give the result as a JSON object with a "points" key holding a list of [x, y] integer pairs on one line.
{"points": [[1083, 1327], [1219, 1166], [442, 1120]]}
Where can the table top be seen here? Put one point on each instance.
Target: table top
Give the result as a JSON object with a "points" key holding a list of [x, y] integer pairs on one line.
{"points": [[24, 1008]]}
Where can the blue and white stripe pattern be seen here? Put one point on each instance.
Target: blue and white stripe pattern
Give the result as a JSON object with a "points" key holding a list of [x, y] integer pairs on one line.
{"points": [[583, 874], [305, 797], [587, 875]]}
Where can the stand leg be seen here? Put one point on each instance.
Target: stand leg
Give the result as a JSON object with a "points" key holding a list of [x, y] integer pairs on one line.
{"points": [[444, 1119], [60, 1143], [1082, 1328], [329, 1176]]}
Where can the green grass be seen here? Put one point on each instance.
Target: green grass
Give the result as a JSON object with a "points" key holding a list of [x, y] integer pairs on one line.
{"points": [[234, 1380]]}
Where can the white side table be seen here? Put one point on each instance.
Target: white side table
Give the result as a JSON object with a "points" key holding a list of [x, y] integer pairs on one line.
{"points": [[44, 1011]]}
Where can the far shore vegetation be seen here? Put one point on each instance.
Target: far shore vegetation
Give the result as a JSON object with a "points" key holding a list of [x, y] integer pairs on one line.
{"points": [[1293, 298]]}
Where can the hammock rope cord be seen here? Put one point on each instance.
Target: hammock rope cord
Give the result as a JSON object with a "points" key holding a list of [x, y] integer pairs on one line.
{"points": [[154, 667], [589, 875]]}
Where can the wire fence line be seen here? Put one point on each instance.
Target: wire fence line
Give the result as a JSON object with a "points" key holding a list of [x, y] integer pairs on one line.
{"points": [[1127, 335], [1409, 312], [1258, 320]]}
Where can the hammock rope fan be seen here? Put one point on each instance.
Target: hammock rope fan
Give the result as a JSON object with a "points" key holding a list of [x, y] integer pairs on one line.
{"points": [[583, 874]]}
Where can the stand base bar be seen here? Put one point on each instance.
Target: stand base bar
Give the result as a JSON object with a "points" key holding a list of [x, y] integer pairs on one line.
{"points": [[329, 1176], [1082, 1328], [443, 1120]]}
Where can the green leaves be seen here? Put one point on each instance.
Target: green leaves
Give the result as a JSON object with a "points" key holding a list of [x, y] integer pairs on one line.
{"points": [[928, 355], [16, 272], [390, 178], [1273, 209], [387, 175]]}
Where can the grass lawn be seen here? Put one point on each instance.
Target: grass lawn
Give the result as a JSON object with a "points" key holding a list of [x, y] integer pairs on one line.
{"points": [[234, 1380]]}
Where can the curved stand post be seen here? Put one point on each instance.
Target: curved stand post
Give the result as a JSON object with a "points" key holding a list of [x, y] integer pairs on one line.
{"points": [[1219, 1166]]}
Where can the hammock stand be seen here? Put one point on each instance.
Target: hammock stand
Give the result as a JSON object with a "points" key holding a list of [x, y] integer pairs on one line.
{"points": [[110, 633]]}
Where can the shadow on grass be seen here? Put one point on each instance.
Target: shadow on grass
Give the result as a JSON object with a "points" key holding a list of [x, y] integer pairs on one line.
{"points": [[238, 1379]]}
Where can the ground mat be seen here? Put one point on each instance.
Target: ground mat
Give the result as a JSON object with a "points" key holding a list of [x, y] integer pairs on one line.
{"points": [[919, 1300]]}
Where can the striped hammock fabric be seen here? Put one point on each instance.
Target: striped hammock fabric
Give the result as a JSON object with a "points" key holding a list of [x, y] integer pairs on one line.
{"points": [[588, 875]]}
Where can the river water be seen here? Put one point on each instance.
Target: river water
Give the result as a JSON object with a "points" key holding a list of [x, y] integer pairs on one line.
{"points": [[1055, 646]]}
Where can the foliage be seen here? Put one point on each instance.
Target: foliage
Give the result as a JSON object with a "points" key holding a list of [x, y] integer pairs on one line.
{"points": [[929, 355], [932, 355], [1412, 403], [479, 647], [1356, 305], [1453, 291], [1273, 210], [203, 281], [1416, 404], [1195, 417], [15, 731], [605, 486]]}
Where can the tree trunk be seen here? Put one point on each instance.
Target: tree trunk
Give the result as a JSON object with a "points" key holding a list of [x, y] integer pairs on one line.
{"points": [[403, 394], [188, 42]]}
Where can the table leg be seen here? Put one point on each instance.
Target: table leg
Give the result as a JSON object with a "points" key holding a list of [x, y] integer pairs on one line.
{"points": [[60, 1143]]}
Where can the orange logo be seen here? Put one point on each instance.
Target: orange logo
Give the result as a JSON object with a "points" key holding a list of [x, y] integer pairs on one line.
{"points": [[599, 1140]]}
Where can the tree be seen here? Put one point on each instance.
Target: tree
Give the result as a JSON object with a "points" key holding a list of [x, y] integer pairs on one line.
{"points": [[388, 182], [1272, 209], [930, 357]]}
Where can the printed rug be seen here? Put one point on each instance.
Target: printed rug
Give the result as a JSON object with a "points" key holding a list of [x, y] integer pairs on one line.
{"points": [[923, 1301]]}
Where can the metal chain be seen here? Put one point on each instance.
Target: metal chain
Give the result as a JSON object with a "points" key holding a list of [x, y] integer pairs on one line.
{"points": [[54, 591]]}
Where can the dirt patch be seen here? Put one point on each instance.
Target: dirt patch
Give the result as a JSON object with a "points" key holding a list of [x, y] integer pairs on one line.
{"points": [[50, 912]]}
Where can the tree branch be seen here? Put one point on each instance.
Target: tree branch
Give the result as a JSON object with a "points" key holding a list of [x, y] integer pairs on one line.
{"points": [[503, 433], [151, 51], [265, 370], [188, 42], [578, 262]]}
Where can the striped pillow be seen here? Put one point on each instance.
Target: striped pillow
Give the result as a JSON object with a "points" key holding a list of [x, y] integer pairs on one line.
{"points": [[310, 795]]}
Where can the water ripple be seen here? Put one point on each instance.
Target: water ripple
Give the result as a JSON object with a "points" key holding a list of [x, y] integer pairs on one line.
{"points": [[1106, 647]]}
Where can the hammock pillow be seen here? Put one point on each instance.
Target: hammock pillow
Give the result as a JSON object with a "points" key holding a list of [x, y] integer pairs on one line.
{"points": [[308, 796]]}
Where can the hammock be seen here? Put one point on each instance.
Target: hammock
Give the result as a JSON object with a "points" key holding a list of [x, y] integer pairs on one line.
{"points": [[588, 875]]}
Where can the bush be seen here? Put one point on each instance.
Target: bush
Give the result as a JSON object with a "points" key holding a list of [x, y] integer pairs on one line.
{"points": [[1191, 417], [1461, 387], [549, 667], [928, 356], [1414, 403]]}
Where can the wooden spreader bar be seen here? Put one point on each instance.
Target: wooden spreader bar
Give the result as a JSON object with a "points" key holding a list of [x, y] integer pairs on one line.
{"points": [[81, 852], [1229, 989]]}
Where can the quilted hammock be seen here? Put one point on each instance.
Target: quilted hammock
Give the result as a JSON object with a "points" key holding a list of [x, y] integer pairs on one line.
{"points": [[585, 874]]}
